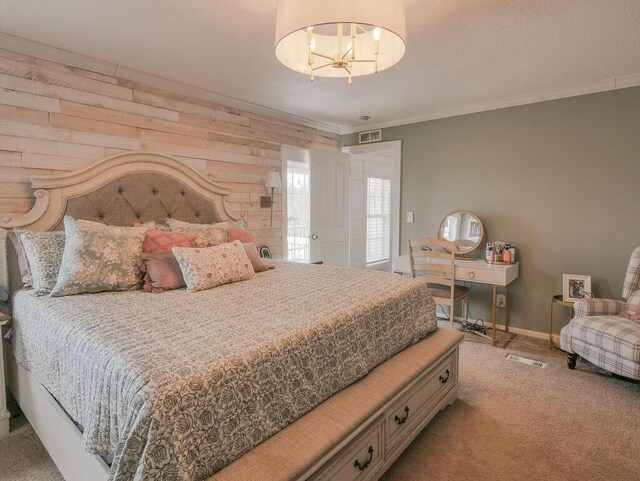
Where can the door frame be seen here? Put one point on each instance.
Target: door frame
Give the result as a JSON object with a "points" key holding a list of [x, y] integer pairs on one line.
{"points": [[395, 147], [288, 152]]}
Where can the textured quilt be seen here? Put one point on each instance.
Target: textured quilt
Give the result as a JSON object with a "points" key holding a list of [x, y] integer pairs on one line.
{"points": [[175, 386]]}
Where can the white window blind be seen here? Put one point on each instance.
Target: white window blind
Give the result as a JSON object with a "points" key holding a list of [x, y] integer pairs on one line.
{"points": [[378, 219]]}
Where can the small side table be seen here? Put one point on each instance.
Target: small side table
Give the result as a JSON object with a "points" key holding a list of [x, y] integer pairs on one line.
{"points": [[557, 300], [4, 413]]}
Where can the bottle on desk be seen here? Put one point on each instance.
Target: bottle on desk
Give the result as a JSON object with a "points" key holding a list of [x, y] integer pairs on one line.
{"points": [[489, 252], [506, 253]]}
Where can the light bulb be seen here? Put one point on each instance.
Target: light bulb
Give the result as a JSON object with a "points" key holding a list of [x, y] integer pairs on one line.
{"points": [[376, 33], [312, 44]]}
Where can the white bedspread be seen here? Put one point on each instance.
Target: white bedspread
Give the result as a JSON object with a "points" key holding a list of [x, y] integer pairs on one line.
{"points": [[175, 386]]}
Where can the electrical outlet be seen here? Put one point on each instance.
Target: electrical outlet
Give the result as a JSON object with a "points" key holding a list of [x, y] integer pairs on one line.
{"points": [[502, 300], [410, 217]]}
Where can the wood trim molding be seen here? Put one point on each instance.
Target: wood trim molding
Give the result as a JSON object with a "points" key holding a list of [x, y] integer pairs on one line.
{"points": [[52, 192]]}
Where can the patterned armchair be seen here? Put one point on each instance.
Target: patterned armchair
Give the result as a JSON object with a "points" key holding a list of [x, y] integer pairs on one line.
{"points": [[606, 332]]}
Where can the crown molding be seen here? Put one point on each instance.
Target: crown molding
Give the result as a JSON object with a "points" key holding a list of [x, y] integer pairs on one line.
{"points": [[72, 59], [544, 96], [54, 54]]}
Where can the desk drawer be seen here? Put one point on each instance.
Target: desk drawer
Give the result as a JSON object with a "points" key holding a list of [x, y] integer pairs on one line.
{"points": [[410, 410], [359, 461], [484, 275]]}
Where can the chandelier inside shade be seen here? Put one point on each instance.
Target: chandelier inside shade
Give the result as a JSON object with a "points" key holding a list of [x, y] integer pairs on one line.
{"points": [[340, 38]]}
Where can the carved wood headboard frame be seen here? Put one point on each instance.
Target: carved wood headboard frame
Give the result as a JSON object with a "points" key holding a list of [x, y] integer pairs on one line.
{"points": [[52, 194]]}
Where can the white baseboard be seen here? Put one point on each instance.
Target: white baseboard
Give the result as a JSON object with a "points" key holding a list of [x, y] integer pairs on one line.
{"points": [[514, 330]]}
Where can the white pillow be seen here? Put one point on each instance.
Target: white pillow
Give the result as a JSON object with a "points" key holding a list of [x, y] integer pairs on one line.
{"points": [[207, 267]]}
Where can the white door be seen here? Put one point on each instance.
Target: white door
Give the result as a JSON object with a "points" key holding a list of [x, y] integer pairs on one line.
{"points": [[330, 207]]}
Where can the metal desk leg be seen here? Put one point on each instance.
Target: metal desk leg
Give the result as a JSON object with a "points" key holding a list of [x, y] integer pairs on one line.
{"points": [[494, 313], [506, 308], [551, 325]]}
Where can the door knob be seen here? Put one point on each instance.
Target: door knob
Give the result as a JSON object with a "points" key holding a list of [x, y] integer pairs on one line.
{"points": [[314, 236]]}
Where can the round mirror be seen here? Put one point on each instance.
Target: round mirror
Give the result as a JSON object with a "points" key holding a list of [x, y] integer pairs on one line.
{"points": [[464, 228]]}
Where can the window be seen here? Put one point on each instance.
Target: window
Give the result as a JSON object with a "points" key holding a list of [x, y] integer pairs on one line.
{"points": [[298, 211], [378, 220]]}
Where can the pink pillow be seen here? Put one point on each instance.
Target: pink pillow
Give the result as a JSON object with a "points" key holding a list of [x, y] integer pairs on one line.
{"points": [[242, 235], [160, 241], [256, 261], [162, 272], [159, 272]]}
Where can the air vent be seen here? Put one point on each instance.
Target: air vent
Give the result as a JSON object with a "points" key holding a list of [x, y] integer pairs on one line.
{"points": [[527, 361], [370, 136]]}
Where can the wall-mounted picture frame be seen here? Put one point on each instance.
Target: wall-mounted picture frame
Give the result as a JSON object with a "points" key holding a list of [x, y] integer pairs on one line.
{"points": [[575, 287]]}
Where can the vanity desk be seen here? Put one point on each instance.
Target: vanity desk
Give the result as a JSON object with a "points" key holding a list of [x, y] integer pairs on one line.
{"points": [[477, 271]]}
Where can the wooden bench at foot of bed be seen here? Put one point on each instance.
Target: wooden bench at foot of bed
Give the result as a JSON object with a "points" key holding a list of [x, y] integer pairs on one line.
{"points": [[358, 433]]}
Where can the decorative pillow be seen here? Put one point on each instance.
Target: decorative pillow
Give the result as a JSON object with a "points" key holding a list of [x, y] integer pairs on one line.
{"points": [[632, 308], [207, 267], [43, 252], [256, 261], [206, 234], [162, 272], [23, 266], [242, 235], [152, 224], [99, 258], [160, 241], [238, 224]]}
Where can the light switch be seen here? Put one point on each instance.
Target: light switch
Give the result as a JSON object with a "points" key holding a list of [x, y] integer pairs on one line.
{"points": [[410, 217]]}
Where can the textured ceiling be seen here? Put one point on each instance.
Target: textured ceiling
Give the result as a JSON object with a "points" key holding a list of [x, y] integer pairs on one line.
{"points": [[460, 53]]}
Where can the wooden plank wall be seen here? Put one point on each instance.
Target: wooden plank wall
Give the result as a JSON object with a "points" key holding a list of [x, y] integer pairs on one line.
{"points": [[56, 118]]}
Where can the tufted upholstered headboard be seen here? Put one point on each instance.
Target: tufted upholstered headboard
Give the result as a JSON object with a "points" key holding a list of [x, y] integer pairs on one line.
{"points": [[142, 197], [119, 190]]}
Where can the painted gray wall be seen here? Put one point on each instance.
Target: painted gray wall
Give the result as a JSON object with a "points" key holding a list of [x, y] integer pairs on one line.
{"points": [[560, 179]]}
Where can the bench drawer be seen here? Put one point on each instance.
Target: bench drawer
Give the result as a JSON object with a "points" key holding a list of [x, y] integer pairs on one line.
{"points": [[359, 461], [410, 410]]}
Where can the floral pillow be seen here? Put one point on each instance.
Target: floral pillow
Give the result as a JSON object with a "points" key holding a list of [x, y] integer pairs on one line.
{"points": [[43, 252], [206, 234], [207, 267], [99, 258]]}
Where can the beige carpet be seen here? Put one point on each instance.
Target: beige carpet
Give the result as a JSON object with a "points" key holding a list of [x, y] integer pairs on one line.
{"points": [[512, 422]]}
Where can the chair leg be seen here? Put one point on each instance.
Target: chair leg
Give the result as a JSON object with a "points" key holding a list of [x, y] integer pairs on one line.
{"points": [[465, 309], [451, 309], [571, 360]]}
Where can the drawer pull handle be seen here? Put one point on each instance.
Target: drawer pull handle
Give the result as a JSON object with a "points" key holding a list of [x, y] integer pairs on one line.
{"points": [[446, 378], [472, 275], [365, 465], [401, 420]]}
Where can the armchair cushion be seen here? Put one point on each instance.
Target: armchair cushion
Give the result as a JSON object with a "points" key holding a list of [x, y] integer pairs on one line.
{"points": [[632, 309], [614, 335], [599, 307]]}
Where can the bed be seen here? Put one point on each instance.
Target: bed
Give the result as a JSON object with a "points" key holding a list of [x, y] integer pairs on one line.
{"points": [[183, 385]]}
